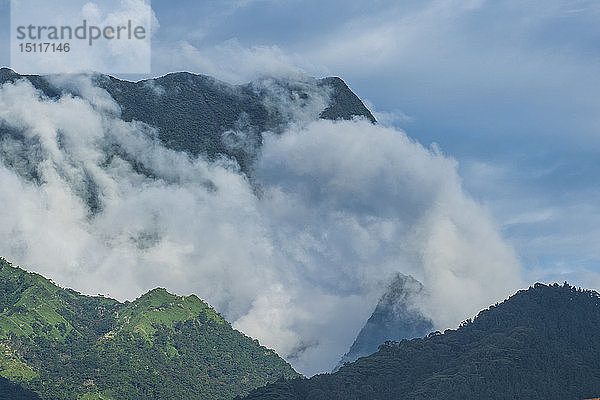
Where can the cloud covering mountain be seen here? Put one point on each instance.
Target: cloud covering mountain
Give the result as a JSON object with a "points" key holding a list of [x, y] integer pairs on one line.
{"points": [[296, 256]]}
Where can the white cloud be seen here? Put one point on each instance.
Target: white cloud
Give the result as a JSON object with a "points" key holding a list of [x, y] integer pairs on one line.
{"points": [[342, 207], [376, 202], [388, 118], [393, 35]]}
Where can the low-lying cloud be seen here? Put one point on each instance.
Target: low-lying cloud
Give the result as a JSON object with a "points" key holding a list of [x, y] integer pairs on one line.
{"points": [[296, 258]]}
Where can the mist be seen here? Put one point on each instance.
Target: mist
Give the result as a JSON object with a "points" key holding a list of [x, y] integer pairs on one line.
{"points": [[296, 257]]}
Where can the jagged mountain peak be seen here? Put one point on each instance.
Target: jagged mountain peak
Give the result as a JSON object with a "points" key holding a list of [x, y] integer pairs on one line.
{"points": [[395, 317]]}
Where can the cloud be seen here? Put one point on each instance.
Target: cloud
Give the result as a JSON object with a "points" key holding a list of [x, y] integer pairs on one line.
{"points": [[392, 35], [546, 210], [229, 61], [388, 118], [508, 88], [297, 258], [367, 201]]}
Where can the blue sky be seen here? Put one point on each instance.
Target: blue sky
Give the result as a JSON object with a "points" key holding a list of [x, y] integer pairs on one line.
{"points": [[507, 88]]}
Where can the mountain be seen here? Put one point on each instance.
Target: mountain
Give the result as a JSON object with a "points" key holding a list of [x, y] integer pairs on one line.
{"points": [[395, 318], [195, 113], [541, 343], [64, 345]]}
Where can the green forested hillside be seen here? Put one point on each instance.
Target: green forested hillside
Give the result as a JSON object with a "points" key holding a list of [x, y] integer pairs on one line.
{"points": [[64, 345], [542, 343]]}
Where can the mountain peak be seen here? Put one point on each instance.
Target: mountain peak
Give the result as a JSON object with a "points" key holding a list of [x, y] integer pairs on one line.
{"points": [[395, 318], [345, 104], [538, 344], [192, 113], [159, 346], [158, 293]]}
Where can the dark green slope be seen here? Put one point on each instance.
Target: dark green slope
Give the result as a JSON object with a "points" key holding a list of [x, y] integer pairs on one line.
{"points": [[64, 345], [193, 112], [542, 343]]}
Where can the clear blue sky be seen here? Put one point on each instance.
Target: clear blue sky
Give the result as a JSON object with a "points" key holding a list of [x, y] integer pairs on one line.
{"points": [[508, 88]]}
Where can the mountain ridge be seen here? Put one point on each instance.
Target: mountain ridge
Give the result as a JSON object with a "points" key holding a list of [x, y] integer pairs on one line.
{"points": [[61, 344], [200, 115], [538, 344]]}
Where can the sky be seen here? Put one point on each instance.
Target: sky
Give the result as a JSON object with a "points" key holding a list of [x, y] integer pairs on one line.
{"points": [[483, 168], [507, 88]]}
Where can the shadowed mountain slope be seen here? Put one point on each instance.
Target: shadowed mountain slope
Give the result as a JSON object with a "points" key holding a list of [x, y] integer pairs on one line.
{"points": [[395, 318], [540, 344]]}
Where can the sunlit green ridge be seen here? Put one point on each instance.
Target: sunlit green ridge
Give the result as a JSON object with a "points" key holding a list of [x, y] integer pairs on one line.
{"points": [[62, 344]]}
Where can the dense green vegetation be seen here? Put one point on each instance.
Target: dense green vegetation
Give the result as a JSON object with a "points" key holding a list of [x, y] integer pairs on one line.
{"points": [[542, 343], [64, 345]]}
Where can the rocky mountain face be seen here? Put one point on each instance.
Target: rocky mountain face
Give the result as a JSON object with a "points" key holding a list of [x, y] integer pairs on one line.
{"points": [[395, 318]]}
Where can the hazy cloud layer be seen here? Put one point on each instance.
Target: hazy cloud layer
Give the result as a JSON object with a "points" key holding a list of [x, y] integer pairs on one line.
{"points": [[341, 207]]}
